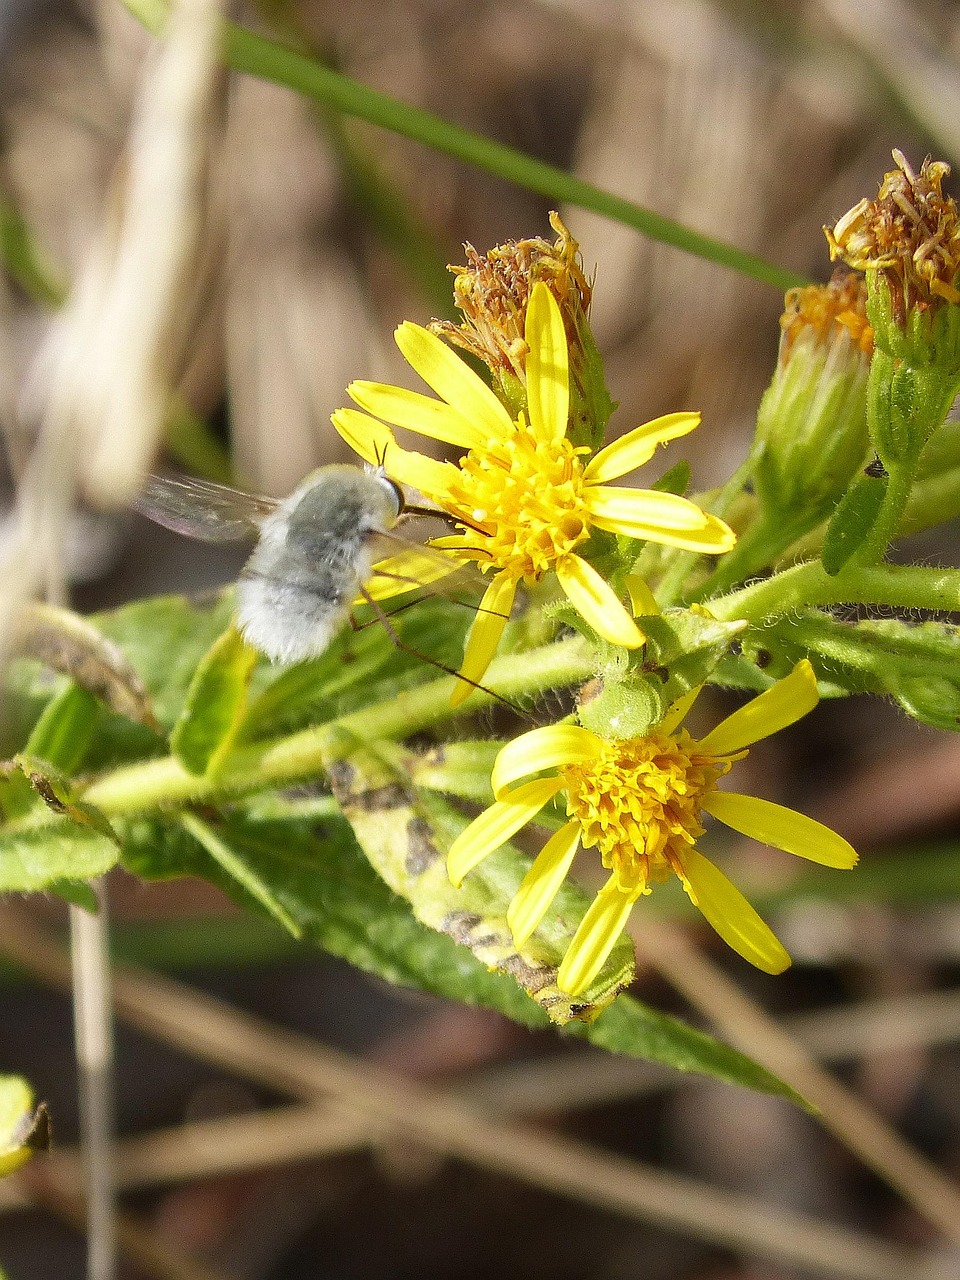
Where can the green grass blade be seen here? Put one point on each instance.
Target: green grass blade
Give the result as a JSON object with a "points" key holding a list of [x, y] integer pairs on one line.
{"points": [[258, 56]]}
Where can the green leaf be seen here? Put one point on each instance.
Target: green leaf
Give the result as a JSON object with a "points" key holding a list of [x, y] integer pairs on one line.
{"points": [[405, 835], [165, 640], [632, 1028], [676, 480], [34, 858], [360, 668], [321, 878], [75, 646], [918, 664], [851, 522], [26, 262], [65, 729], [215, 704], [194, 445], [24, 1128], [457, 768], [243, 870]]}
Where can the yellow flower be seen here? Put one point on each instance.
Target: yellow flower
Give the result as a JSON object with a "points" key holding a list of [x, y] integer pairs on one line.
{"points": [[639, 802], [522, 496]]}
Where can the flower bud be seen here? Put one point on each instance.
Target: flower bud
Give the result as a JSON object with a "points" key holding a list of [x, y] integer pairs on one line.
{"points": [[812, 418]]}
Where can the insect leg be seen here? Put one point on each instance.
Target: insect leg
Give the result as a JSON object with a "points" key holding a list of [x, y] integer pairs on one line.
{"points": [[384, 619]]}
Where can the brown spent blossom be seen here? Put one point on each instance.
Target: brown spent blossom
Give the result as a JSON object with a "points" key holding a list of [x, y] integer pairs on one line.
{"points": [[493, 290], [911, 233], [823, 309]]}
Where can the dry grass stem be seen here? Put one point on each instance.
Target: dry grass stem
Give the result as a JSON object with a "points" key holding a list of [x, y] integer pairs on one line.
{"points": [[282, 1059], [746, 1025]]}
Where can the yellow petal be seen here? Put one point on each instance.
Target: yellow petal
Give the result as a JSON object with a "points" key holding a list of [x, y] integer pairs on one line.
{"points": [[596, 600], [413, 567], [365, 435], [728, 911], [783, 828], [485, 632], [548, 394], [497, 824], [712, 540], [595, 939], [453, 380], [637, 447], [377, 445], [542, 882], [546, 748], [678, 711], [642, 600], [433, 418], [779, 706], [623, 510]]}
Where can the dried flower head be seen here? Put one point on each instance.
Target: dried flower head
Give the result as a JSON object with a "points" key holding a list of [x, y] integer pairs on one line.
{"points": [[493, 291], [911, 233]]}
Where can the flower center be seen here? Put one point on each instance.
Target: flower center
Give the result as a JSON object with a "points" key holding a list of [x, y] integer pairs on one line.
{"points": [[639, 802], [526, 495]]}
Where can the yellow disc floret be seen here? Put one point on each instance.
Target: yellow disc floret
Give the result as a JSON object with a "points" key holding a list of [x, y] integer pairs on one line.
{"points": [[639, 804], [527, 496]]}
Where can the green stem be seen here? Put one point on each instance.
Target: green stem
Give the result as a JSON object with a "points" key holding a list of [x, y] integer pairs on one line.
{"points": [[245, 51], [142, 787], [906, 587]]}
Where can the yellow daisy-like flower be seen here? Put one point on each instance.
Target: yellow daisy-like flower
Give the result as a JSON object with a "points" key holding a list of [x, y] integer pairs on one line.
{"points": [[639, 803], [524, 497]]}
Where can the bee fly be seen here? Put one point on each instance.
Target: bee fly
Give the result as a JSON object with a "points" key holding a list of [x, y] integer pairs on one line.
{"points": [[315, 550]]}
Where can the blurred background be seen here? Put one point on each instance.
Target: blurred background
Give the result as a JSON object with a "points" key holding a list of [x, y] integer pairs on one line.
{"points": [[753, 122]]}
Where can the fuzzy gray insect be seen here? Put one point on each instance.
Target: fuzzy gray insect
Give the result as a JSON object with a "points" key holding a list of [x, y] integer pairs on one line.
{"points": [[315, 549]]}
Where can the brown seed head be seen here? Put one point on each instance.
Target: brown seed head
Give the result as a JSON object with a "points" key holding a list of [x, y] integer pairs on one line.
{"points": [[911, 233], [493, 290]]}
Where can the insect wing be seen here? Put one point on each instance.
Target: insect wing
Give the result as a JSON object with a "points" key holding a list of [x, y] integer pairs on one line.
{"points": [[405, 565], [202, 509]]}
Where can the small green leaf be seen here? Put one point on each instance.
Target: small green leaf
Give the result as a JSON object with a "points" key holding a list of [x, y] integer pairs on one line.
{"points": [[676, 480], [65, 730], [918, 664], [33, 858], [57, 793], [75, 892], [851, 522], [216, 703], [24, 1128], [683, 647], [74, 645], [26, 261]]}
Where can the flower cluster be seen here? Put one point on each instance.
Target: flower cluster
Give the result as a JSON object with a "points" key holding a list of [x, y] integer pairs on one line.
{"points": [[527, 498]]}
